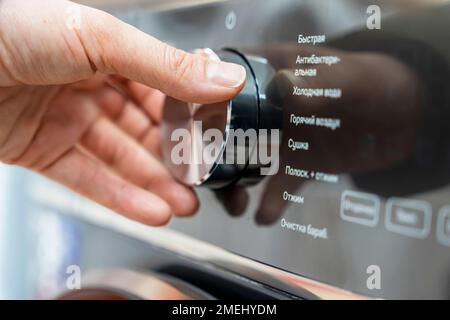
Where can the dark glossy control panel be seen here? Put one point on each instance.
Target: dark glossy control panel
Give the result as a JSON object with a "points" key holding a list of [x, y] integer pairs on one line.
{"points": [[358, 94]]}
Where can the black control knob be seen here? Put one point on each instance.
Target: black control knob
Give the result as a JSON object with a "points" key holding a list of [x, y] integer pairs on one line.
{"points": [[213, 144]]}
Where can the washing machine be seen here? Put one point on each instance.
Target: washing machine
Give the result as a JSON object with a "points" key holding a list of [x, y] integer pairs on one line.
{"points": [[331, 178]]}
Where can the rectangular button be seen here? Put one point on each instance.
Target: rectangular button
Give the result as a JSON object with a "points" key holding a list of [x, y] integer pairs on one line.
{"points": [[410, 218], [443, 226], [361, 208]]}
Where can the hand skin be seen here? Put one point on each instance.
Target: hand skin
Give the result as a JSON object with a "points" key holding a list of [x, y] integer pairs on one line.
{"points": [[82, 105]]}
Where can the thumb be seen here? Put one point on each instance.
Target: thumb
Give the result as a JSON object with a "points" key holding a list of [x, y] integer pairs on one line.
{"points": [[115, 47]]}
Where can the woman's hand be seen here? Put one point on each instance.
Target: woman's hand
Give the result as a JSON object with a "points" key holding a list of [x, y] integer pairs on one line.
{"points": [[80, 102]]}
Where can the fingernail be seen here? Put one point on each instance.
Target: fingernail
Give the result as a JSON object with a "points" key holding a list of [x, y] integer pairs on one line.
{"points": [[226, 74]]}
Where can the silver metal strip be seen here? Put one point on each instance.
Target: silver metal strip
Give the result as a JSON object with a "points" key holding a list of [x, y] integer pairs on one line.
{"points": [[71, 204]]}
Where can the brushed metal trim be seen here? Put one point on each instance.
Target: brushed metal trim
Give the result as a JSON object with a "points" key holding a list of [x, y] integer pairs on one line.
{"points": [[154, 5]]}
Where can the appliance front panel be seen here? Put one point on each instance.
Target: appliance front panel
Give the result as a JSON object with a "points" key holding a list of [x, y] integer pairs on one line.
{"points": [[361, 198]]}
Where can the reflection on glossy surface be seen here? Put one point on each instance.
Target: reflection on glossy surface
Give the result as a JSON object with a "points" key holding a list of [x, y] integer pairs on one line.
{"points": [[380, 117], [377, 117], [123, 284], [391, 141]]}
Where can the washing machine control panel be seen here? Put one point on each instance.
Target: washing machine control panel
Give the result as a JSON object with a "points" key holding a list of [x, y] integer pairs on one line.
{"points": [[221, 143], [333, 162]]}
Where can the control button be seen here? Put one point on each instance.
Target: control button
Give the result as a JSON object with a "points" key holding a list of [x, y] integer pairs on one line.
{"points": [[212, 144], [192, 166], [361, 208], [410, 218], [443, 226]]}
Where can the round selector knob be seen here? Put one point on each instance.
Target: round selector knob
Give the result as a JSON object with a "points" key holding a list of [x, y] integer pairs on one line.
{"points": [[206, 144]]}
